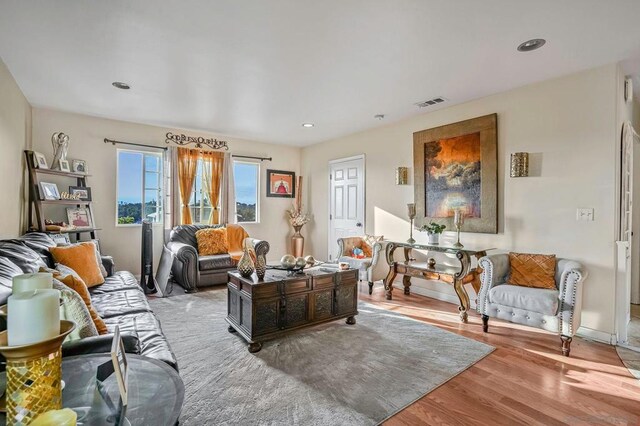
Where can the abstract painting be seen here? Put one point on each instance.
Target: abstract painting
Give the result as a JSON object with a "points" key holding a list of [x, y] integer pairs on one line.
{"points": [[456, 168], [452, 174]]}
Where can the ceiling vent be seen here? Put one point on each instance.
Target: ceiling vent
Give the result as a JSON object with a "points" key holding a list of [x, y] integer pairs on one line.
{"points": [[431, 102]]}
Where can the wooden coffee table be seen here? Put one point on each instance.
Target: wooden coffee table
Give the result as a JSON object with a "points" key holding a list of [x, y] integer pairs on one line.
{"points": [[265, 309]]}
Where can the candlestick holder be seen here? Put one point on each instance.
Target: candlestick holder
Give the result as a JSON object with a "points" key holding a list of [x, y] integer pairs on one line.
{"points": [[34, 375], [411, 212], [458, 221]]}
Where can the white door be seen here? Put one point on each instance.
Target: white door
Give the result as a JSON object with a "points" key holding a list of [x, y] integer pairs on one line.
{"points": [[346, 204]]}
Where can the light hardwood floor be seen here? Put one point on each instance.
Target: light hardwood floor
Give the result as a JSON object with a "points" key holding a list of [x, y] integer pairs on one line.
{"points": [[634, 327], [525, 380]]}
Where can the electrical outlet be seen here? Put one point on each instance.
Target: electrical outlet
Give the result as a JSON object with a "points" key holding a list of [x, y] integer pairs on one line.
{"points": [[585, 215]]}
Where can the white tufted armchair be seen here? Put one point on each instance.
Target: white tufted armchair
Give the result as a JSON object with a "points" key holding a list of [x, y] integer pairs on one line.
{"points": [[556, 310], [372, 269]]}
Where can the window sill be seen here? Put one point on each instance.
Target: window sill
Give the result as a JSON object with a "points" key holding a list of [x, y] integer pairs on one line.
{"points": [[135, 225]]}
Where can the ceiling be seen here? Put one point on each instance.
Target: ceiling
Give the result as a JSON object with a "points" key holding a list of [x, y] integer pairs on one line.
{"points": [[258, 69]]}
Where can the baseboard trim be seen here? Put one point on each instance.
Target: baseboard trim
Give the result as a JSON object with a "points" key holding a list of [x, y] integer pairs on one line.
{"points": [[596, 335], [434, 294]]}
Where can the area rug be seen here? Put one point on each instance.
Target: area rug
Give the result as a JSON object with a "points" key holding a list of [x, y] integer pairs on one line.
{"points": [[331, 374], [631, 360]]}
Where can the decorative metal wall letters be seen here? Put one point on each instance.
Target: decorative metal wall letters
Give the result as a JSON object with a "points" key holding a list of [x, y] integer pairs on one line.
{"points": [[199, 141]]}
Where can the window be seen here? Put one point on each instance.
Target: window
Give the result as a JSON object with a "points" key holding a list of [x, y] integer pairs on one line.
{"points": [[199, 203], [247, 183], [139, 187]]}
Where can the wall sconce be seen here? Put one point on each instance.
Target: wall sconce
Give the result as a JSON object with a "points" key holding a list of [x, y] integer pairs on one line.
{"points": [[520, 164], [402, 176]]}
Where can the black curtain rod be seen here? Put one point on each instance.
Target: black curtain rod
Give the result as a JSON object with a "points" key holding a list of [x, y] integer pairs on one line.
{"points": [[111, 141], [253, 158], [164, 148]]}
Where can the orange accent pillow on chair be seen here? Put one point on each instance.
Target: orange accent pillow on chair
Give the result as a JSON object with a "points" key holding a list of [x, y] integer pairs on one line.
{"points": [[212, 241], [532, 270], [82, 259]]}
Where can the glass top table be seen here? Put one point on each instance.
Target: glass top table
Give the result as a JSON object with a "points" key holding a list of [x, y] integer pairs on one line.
{"points": [[155, 392], [458, 277]]}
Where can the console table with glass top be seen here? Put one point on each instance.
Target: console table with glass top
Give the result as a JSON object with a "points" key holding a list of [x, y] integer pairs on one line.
{"points": [[457, 277]]}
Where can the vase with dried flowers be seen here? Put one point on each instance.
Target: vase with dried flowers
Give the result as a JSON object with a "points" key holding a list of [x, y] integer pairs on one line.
{"points": [[298, 218]]}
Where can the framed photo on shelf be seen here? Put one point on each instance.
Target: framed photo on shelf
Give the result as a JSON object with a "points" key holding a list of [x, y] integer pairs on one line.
{"points": [[39, 161], [79, 217], [83, 191], [64, 166], [281, 184], [79, 166], [49, 191], [60, 239]]}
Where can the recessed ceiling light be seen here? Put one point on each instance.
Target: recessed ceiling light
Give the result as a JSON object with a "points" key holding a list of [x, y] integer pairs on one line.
{"points": [[121, 85], [307, 125], [533, 44]]}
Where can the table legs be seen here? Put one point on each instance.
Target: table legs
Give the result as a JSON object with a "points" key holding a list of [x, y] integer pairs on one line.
{"points": [[458, 284], [463, 297], [255, 347], [458, 279], [406, 282], [388, 282]]}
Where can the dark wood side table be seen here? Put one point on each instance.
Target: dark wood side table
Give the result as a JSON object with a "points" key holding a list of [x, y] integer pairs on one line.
{"points": [[265, 309], [457, 277]]}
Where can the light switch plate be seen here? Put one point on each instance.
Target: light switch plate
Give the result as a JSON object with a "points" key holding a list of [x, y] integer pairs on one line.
{"points": [[585, 215]]}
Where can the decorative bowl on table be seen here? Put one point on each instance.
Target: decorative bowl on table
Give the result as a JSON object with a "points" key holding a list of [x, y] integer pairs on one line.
{"points": [[292, 264]]}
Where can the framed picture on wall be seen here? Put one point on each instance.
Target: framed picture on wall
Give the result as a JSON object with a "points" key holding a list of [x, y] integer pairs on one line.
{"points": [[281, 184], [456, 170]]}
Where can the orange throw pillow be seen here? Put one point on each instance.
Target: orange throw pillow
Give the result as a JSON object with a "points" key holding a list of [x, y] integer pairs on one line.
{"points": [[76, 284], [212, 241], [532, 270], [82, 259]]}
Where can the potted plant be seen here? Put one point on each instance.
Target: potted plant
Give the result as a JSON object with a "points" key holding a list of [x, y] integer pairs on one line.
{"points": [[433, 231]]}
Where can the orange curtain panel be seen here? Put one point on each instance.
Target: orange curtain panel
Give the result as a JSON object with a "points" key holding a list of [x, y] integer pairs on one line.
{"points": [[212, 169], [187, 167]]}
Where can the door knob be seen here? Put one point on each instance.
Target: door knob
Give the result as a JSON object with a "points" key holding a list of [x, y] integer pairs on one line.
{"points": [[359, 224]]}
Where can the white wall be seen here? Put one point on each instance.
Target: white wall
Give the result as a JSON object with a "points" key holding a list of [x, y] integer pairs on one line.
{"points": [[569, 127], [86, 142], [15, 137]]}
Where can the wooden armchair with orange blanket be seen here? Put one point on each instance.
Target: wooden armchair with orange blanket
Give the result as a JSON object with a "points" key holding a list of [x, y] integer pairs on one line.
{"points": [[193, 270]]}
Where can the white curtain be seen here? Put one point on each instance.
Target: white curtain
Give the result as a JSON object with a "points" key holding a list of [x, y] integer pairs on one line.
{"points": [[228, 211], [171, 191]]}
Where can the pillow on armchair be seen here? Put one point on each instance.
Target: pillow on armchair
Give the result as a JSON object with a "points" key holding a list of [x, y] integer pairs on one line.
{"points": [[532, 270], [212, 241], [364, 248]]}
